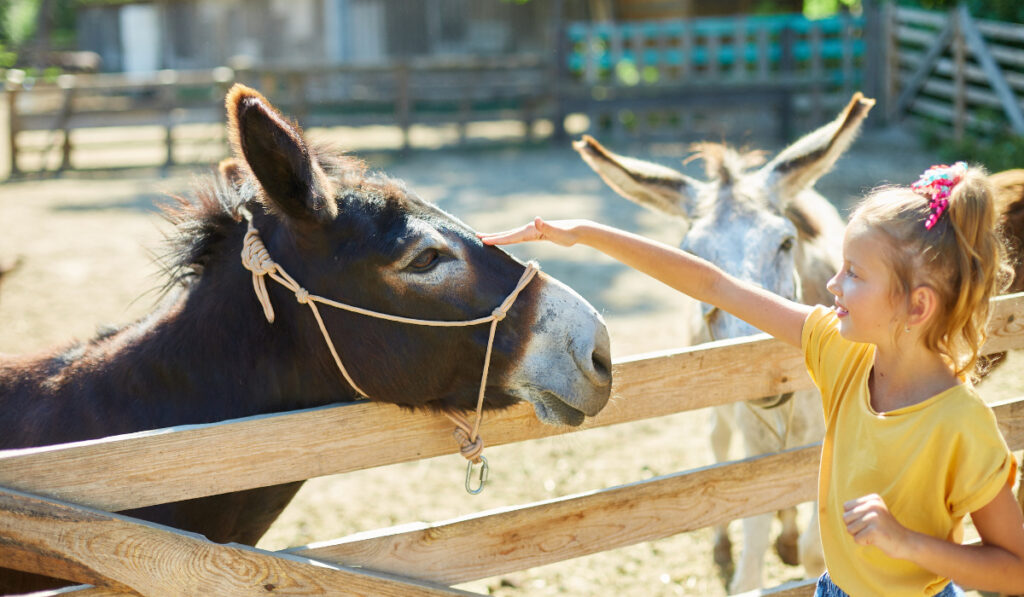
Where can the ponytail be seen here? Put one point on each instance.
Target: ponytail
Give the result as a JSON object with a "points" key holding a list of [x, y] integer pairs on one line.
{"points": [[943, 234]]}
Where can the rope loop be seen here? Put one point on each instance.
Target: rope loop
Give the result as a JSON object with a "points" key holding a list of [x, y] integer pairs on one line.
{"points": [[470, 450], [255, 256]]}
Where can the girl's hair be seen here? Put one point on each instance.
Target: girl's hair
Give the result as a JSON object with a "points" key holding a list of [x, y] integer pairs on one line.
{"points": [[961, 257]]}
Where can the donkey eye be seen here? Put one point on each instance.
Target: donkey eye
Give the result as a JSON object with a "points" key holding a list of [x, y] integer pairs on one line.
{"points": [[786, 244], [425, 260]]}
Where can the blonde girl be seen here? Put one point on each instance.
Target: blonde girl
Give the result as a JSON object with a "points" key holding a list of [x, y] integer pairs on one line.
{"points": [[910, 449]]}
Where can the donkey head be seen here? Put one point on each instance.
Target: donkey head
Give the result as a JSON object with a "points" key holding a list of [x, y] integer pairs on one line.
{"points": [[365, 240], [765, 225]]}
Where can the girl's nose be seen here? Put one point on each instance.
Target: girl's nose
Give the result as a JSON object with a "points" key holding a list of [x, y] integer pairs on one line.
{"points": [[833, 284]]}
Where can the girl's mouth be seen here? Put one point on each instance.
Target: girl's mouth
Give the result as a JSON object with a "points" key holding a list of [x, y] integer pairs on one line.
{"points": [[840, 310]]}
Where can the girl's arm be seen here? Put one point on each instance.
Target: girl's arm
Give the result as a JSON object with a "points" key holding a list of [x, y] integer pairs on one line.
{"points": [[686, 273], [995, 565]]}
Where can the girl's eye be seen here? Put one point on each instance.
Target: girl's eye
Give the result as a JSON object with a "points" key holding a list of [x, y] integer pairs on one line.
{"points": [[425, 260], [850, 274]]}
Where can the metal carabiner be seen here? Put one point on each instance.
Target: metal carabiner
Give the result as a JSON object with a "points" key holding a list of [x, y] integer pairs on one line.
{"points": [[483, 476]]}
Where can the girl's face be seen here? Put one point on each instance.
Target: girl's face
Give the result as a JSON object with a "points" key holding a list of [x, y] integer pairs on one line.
{"points": [[862, 287]]}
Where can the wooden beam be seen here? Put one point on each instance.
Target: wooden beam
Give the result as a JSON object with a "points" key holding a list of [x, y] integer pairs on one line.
{"points": [[166, 465], [795, 588], [60, 539], [85, 591], [924, 69], [498, 542], [507, 540], [977, 46]]}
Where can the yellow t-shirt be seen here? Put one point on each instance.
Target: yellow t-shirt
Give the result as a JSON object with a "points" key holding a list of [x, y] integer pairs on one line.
{"points": [[933, 462]]}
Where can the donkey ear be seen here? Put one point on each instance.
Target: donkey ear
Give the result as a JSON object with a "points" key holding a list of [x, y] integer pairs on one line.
{"points": [[648, 184], [230, 171], [801, 164], [274, 151]]}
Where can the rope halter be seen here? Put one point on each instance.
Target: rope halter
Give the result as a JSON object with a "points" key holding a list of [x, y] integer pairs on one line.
{"points": [[257, 260]]}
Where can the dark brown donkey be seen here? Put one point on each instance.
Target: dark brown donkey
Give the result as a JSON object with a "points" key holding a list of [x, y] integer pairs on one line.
{"points": [[208, 353]]}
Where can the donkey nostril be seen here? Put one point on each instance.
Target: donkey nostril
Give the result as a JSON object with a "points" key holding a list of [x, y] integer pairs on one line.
{"points": [[602, 364], [601, 359]]}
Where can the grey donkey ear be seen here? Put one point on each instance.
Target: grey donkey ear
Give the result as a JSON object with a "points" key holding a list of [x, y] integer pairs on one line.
{"points": [[648, 184], [801, 164]]}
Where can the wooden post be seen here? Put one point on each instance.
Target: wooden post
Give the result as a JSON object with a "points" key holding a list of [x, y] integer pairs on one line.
{"points": [[959, 79], [877, 55], [817, 73], [167, 80], [559, 71], [739, 50], [403, 102], [13, 86], [67, 82], [300, 105], [847, 59], [787, 70]]}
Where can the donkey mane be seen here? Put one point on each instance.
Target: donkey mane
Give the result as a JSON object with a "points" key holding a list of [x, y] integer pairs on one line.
{"points": [[724, 163], [206, 218]]}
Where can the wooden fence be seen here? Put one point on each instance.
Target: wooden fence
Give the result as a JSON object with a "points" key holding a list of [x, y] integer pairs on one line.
{"points": [[65, 113], [955, 71], [54, 501], [652, 77]]}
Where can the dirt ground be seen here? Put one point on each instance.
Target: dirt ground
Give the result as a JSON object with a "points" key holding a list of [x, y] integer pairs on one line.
{"points": [[86, 244]]}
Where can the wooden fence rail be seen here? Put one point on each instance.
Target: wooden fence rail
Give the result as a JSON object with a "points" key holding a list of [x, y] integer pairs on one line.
{"points": [[956, 71], [400, 93], [617, 72], [49, 488]]}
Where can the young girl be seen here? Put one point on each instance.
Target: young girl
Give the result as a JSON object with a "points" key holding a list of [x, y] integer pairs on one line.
{"points": [[909, 448]]}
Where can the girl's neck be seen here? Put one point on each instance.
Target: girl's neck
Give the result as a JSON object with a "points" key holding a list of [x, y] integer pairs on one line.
{"points": [[907, 375]]}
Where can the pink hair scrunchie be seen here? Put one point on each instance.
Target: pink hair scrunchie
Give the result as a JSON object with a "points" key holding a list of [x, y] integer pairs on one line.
{"points": [[936, 184]]}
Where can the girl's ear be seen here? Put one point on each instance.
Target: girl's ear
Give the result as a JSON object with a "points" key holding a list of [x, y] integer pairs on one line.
{"points": [[923, 304], [273, 149]]}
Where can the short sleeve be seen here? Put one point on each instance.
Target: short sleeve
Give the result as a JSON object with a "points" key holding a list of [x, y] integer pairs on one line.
{"points": [[983, 462], [816, 338]]}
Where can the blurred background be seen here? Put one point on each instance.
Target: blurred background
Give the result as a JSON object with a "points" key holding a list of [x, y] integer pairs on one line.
{"points": [[114, 83], [110, 105]]}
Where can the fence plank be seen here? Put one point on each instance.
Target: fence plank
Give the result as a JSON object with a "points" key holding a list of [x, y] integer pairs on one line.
{"points": [[172, 464], [927, 63], [503, 541], [995, 75], [495, 543], [85, 591], [51, 537]]}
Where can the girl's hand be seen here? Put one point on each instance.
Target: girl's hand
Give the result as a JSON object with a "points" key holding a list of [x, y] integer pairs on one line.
{"points": [[869, 521], [561, 232]]}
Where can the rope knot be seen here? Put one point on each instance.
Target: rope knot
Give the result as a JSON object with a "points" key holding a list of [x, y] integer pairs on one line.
{"points": [[255, 256], [499, 313], [302, 295], [470, 450]]}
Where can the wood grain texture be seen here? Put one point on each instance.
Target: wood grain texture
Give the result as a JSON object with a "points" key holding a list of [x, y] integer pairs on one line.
{"points": [[173, 464], [51, 537], [493, 543], [523, 537]]}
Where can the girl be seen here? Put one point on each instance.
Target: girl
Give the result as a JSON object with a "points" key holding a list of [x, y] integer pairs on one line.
{"points": [[909, 448]]}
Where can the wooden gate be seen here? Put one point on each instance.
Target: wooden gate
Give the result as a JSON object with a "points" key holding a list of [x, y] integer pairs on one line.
{"points": [[962, 72], [55, 501]]}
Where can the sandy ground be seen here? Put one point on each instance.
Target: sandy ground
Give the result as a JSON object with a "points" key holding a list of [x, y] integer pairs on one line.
{"points": [[86, 242]]}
